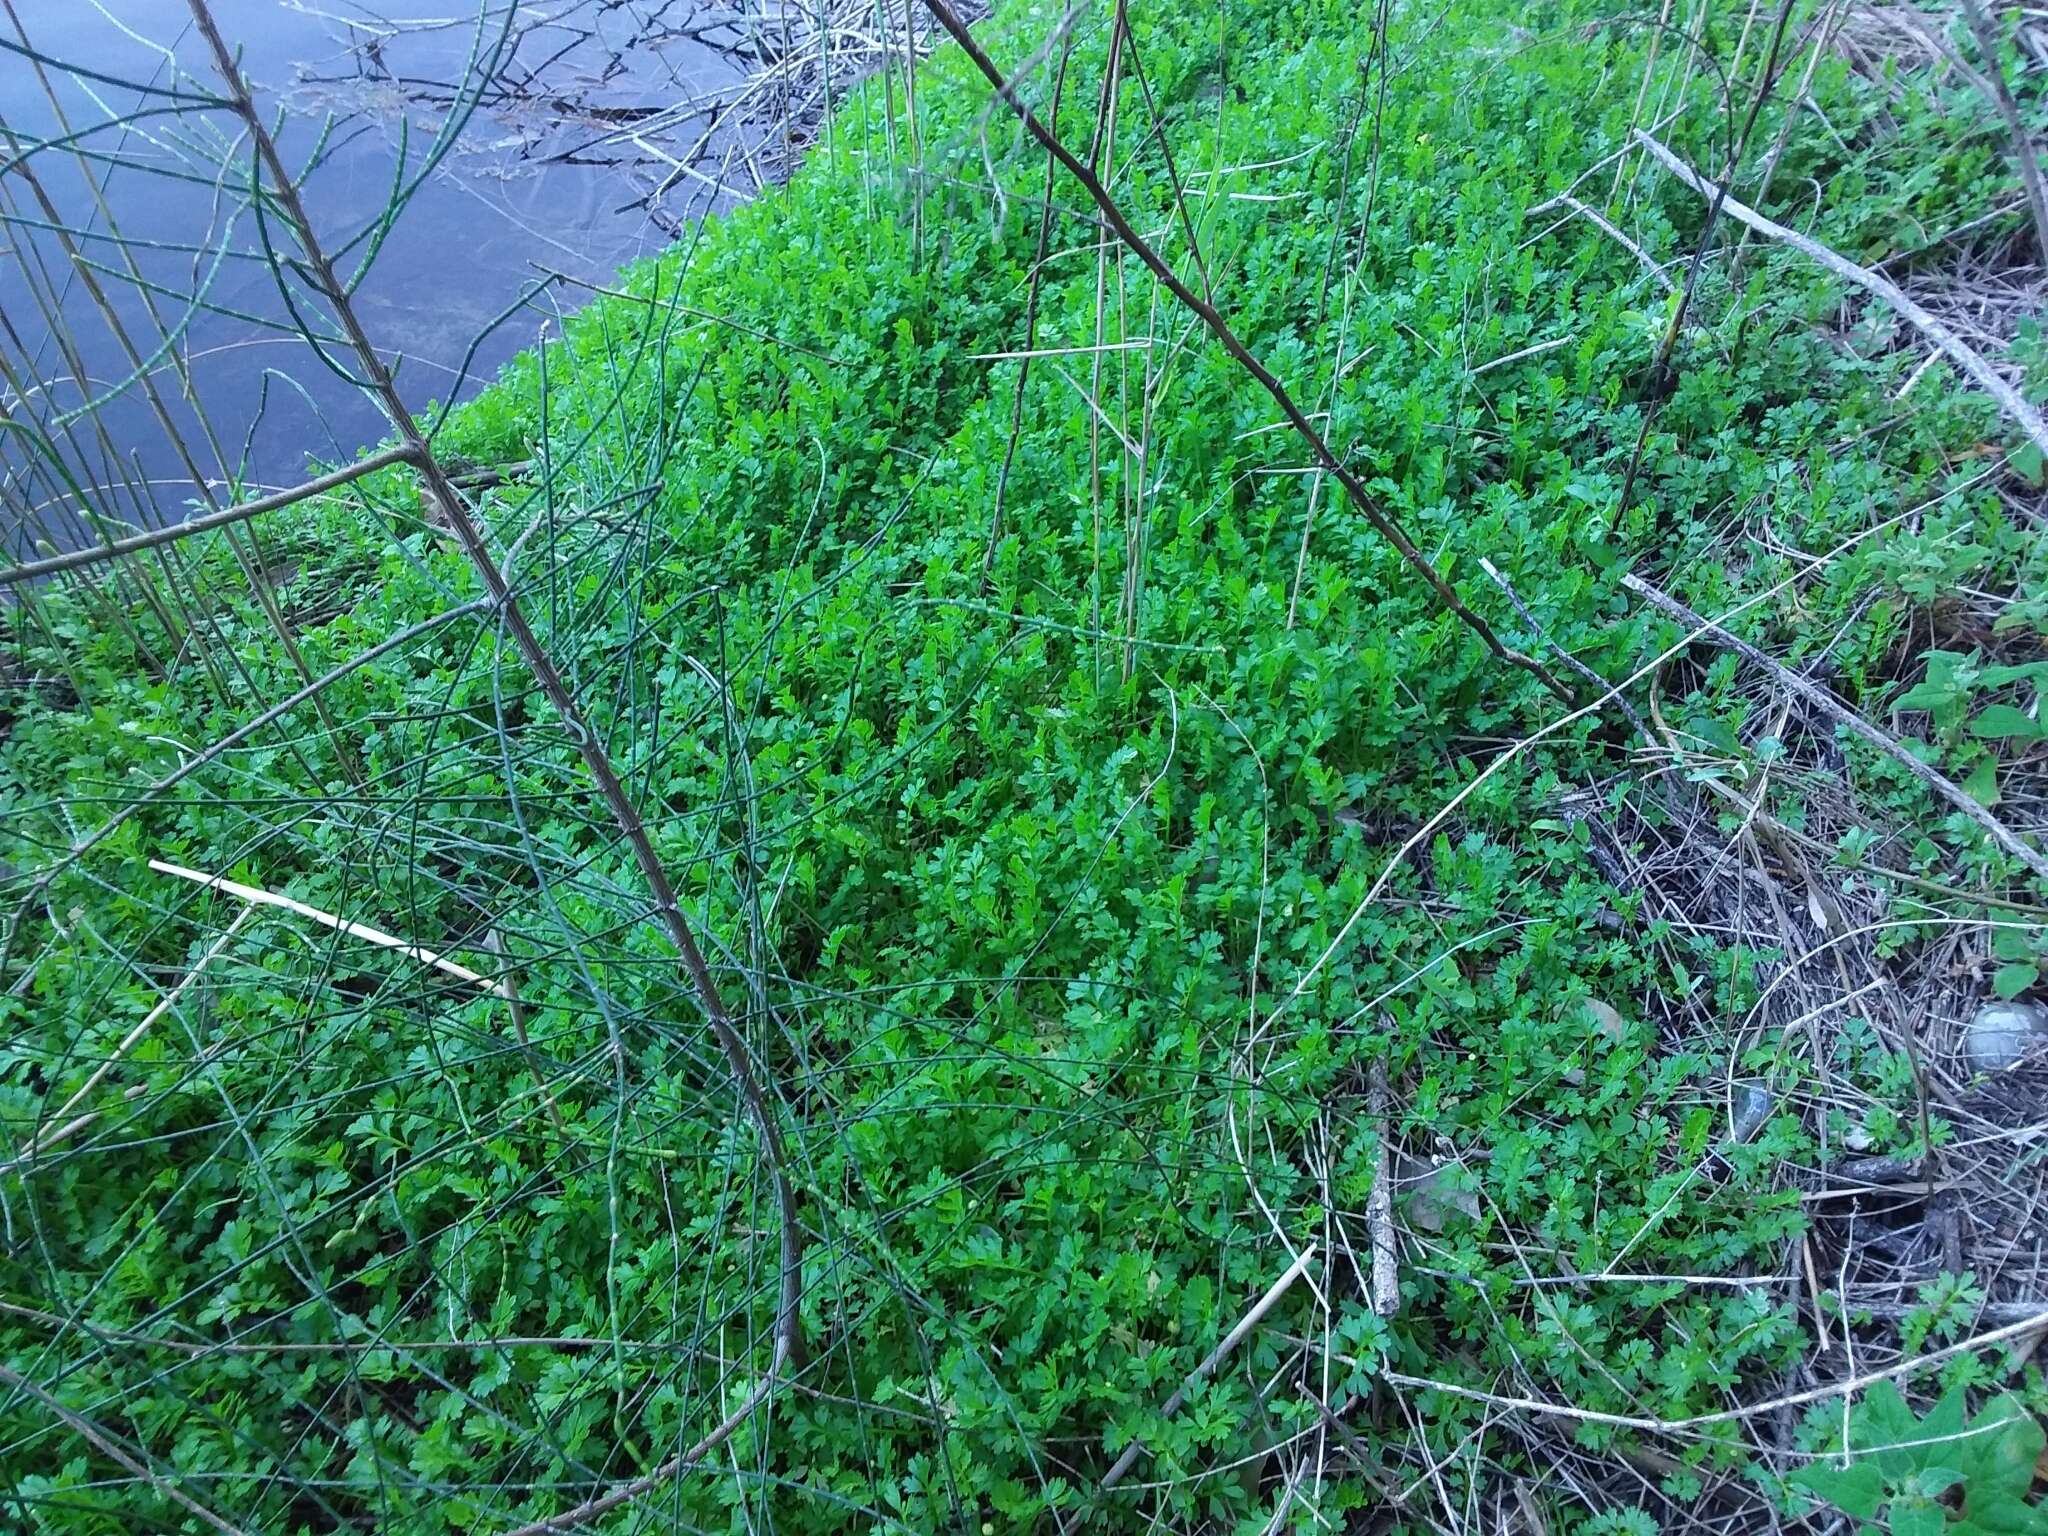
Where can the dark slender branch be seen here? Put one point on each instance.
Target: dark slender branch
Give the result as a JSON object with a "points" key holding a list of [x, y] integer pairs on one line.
{"points": [[1986, 33], [2011, 401], [93, 1435], [454, 511], [241, 512], [1381, 519], [1661, 378]]}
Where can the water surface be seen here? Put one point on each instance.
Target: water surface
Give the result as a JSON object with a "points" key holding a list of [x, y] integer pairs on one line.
{"points": [[576, 112]]}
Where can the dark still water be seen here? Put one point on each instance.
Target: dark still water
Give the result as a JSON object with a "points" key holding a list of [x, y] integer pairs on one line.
{"points": [[594, 129]]}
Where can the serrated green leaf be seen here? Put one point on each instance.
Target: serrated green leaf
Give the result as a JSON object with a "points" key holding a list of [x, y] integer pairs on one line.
{"points": [[2002, 722], [1857, 1489], [2009, 981]]}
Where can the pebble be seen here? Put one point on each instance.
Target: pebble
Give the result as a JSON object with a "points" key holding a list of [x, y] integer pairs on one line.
{"points": [[2001, 1035], [1752, 1109]]}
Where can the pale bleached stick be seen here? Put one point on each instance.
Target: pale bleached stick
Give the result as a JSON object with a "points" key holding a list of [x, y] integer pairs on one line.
{"points": [[256, 896], [2009, 399], [2035, 1324], [1202, 1372], [1835, 709], [42, 1142], [1594, 217], [1379, 1206]]}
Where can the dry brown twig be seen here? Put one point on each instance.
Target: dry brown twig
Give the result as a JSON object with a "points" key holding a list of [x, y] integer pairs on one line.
{"points": [[2009, 399], [1836, 710], [2022, 145], [318, 268]]}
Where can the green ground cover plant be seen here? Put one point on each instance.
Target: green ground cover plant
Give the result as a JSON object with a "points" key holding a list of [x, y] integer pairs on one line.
{"points": [[1075, 886]]}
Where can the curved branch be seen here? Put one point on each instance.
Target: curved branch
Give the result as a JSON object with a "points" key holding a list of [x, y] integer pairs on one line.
{"points": [[789, 1344], [1375, 513], [2008, 398]]}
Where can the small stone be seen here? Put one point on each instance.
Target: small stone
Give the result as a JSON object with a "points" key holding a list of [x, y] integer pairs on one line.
{"points": [[2002, 1035], [1752, 1109]]}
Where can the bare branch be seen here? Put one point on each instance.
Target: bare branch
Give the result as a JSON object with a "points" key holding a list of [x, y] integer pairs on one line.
{"points": [[2022, 144], [1601, 222], [1207, 1368], [1379, 516], [454, 513], [93, 1435], [2008, 398], [2034, 1324], [1379, 1210], [1836, 710], [256, 896], [241, 512]]}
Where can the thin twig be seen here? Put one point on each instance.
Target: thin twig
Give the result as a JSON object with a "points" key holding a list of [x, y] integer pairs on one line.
{"points": [[318, 267], [509, 990], [1602, 223], [39, 1144], [241, 512], [1661, 379], [1538, 350], [94, 1436], [225, 744], [1515, 599], [626, 1492], [1836, 710], [1202, 1372], [2022, 144], [1380, 517], [2008, 398], [2033, 1324]]}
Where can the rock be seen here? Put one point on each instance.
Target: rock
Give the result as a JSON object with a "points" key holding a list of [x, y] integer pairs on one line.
{"points": [[2002, 1035], [1878, 1170], [1752, 1109]]}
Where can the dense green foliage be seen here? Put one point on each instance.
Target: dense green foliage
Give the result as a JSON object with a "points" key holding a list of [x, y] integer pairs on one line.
{"points": [[1046, 899], [1936, 1474]]}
